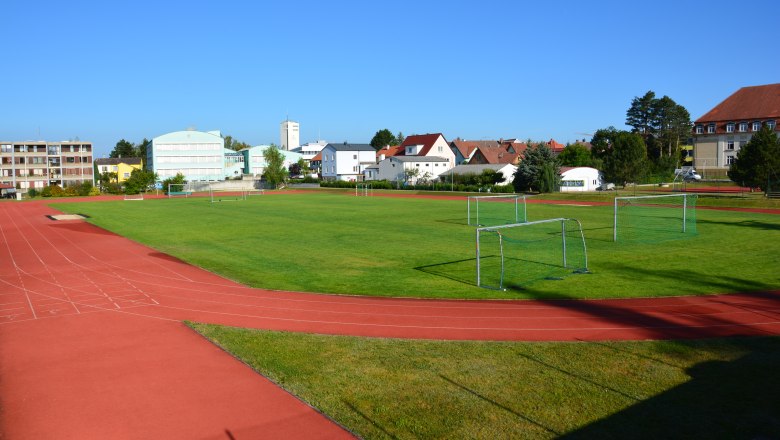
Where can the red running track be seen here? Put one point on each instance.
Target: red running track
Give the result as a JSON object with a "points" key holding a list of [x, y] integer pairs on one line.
{"points": [[92, 344]]}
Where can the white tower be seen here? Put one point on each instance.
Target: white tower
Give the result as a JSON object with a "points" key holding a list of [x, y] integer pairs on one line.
{"points": [[290, 135]]}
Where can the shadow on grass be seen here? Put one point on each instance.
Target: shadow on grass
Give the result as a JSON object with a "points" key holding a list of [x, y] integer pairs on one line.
{"points": [[753, 224], [454, 221], [736, 399], [496, 404], [369, 420]]}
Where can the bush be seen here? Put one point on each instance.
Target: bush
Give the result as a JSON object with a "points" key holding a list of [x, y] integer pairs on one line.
{"points": [[52, 191], [32, 192]]}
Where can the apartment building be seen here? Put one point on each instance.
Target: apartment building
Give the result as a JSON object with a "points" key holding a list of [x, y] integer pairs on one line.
{"points": [[37, 164]]}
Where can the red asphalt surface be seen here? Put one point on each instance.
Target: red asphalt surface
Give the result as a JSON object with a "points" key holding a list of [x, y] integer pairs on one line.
{"points": [[92, 344]]}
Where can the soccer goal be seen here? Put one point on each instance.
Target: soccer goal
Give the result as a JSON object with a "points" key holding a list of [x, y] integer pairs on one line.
{"points": [[654, 218], [139, 196], [512, 256], [227, 194], [496, 210], [364, 189], [178, 190]]}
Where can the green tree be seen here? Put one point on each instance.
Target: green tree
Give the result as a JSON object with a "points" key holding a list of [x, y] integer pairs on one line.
{"points": [[275, 173], [142, 148], [399, 138], [382, 138], [490, 177], [626, 158], [575, 155], [123, 148], [234, 144], [529, 172], [672, 124], [641, 113], [758, 161], [139, 181], [178, 179], [662, 123], [549, 180]]}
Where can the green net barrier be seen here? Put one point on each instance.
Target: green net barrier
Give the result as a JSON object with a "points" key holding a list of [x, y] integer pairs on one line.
{"points": [[650, 219]]}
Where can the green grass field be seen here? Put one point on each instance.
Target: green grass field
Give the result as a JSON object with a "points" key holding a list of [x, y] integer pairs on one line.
{"points": [[381, 246], [385, 388]]}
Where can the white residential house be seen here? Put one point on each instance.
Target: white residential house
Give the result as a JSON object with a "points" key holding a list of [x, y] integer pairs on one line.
{"points": [[428, 168], [430, 154], [346, 161], [575, 179], [310, 149], [371, 172], [430, 145]]}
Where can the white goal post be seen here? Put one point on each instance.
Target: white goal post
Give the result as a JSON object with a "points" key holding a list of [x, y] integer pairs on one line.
{"points": [[364, 189], [219, 193], [496, 210], [510, 255], [139, 196], [653, 216]]}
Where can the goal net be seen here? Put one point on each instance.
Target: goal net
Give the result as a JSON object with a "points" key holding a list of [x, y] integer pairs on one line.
{"points": [[364, 189], [178, 190], [496, 210], [227, 194], [139, 196], [654, 218], [512, 256]]}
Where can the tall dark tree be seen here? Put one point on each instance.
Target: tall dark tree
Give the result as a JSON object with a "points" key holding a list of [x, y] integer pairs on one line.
{"points": [[662, 123], [123, 148], [626, 158], [534, 168], [399, 138], [602, 141], [142, 147], [672, 125], [641, 113], [758, 161], [382, 138], [140, 181]]}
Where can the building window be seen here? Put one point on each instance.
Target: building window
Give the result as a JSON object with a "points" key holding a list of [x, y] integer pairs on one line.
{"points": [[730, 127], [354, 156], [742, 127], [729, 160], [730, 145], [699, 129], [126, 175], [771, 124], [756, 126], [711, 128]]}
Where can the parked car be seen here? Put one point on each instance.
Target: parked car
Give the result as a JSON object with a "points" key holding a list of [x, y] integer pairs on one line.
{"points": [[607, 187], [691, 176]]}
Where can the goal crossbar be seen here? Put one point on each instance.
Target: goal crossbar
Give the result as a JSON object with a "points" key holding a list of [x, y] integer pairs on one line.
{"points": [[364, 189]]}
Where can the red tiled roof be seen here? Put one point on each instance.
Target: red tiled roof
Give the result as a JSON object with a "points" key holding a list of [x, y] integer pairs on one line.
{"points": [[6, 185], [318, 157], [426, 140], [468, 147], [519, 147], [496, 155], [746, 104], [557, 147], [391, 151]]}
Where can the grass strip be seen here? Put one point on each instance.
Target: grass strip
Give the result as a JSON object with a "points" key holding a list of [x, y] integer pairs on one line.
{"points": [[385, 388]]}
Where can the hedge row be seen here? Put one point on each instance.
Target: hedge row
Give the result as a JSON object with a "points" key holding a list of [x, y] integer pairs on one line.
{"points": [[384, 184]]}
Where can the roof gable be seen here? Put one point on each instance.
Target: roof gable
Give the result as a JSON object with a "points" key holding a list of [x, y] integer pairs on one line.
{"points": [[747, 103], [350, 147], [118, 160], [426, 140]]}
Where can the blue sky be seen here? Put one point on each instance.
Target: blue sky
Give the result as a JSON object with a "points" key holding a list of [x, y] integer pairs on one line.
{"points": [[103, 71]]}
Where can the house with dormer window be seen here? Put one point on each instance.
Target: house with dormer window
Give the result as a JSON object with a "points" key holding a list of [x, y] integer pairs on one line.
{"points": [[430, 154], [721, 132]]}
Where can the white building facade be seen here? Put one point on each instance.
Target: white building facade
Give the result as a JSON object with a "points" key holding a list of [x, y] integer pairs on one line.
{"points": [[346, 161], [580, 179], [290, 136], [199, 156], [428, 168]]}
